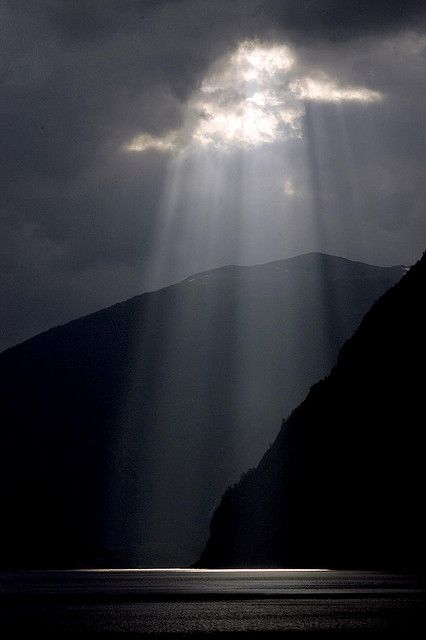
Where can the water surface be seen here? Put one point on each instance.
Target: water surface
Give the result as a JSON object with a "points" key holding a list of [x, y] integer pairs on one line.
{"points": [[188, 601]]}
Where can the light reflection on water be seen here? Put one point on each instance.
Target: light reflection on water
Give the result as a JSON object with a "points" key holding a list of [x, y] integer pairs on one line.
{"points": [[244, 582], [199, 601]]}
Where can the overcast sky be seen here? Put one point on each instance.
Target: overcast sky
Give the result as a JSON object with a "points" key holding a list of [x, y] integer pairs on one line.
{"points": [[144, 141]]}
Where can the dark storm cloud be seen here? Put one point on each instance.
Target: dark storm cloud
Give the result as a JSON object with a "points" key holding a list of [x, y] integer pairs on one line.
{"points": [[323, 18], [90, 19], [342, 19], [82, 78]]}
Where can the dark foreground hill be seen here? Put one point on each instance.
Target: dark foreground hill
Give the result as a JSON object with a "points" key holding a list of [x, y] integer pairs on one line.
{"points": [[344, 483], [120, 431]]}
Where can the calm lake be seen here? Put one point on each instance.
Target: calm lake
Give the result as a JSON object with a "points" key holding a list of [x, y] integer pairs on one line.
{"points": [[196, 601]]}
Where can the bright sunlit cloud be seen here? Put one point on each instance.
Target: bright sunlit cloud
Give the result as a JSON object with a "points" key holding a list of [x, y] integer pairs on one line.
{"points": [[254, 96], [244, 124], [325, 90], [251, 62], [288, 188], [145, 141]]}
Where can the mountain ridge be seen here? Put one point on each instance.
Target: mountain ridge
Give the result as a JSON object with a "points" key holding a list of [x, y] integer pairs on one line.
{"points": [[308, 463], [195, 276], [121, 429]]}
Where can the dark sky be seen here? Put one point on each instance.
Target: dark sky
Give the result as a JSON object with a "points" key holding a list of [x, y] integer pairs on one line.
{"points": [[143, 141]]}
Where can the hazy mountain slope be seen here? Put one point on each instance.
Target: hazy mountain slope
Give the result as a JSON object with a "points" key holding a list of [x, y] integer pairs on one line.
{"points": [[120, 431], [343, 485]]}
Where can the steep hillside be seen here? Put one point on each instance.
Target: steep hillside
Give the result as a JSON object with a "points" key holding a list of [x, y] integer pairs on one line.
{"points": [[121, 430], [343, 484]]}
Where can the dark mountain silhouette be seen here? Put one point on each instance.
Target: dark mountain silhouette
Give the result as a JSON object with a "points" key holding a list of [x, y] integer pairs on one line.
{"points": [[120, 430], [343, 485]]}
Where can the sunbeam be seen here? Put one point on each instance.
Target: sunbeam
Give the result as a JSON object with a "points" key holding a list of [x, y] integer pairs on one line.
{"points": [[250, 159]]}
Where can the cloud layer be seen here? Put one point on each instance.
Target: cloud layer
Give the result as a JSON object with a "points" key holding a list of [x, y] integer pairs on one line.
{"points": [[255, 95], [336, 90]]}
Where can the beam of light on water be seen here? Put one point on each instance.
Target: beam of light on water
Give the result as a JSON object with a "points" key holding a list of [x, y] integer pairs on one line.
{"points": [[187, 570]]}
